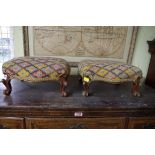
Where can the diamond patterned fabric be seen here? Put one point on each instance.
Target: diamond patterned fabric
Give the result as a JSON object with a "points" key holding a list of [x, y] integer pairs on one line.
{"points": [[35, 69], [108, 71]]}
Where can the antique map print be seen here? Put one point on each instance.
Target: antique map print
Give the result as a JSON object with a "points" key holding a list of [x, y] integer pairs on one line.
{"points": [[80, 41]]}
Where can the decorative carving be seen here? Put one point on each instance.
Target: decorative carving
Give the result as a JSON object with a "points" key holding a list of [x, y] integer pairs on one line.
{"points": [[86, 88], [7, 84], [136, 87], [63, 85]]}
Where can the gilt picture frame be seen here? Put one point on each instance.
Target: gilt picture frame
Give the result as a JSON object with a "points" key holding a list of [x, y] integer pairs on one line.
{"points": [[76, 43]]}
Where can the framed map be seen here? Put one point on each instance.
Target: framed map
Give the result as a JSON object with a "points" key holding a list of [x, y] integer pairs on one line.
{"points": [[81, 42]]}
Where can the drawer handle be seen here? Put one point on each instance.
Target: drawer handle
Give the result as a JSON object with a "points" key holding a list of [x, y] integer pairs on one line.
{"points": [[78, 114]]}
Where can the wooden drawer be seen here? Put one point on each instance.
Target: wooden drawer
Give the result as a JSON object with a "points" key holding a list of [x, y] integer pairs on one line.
{"points": [[75, 123], [11, 123], [142, 123]]}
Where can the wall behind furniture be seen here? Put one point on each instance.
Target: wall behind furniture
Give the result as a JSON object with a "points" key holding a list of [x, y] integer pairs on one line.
{"points": [[18, 41], [141, 57]]}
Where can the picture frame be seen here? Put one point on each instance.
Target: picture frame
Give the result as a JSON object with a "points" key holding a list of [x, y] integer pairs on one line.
{"points": [[29, 40]]}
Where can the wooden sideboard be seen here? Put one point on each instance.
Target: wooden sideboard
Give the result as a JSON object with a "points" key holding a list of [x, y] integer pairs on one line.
{"points": [[110, 106]]}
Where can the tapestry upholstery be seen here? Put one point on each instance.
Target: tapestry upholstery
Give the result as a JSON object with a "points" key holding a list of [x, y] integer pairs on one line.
{"points": [[35, 69], [108, 71]]}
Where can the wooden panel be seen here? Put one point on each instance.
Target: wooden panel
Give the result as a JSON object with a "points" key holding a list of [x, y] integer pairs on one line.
{"points": [[11, 123], [142, 123], [75, 123]]}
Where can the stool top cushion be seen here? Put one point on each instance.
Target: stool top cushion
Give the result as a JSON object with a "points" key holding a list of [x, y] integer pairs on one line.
{"points": [[35, 69], [108, 71]]}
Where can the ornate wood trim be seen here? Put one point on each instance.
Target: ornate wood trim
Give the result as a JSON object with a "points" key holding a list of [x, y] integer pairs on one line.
{"points": [[7, 84], [26, 41], [132, 44]]}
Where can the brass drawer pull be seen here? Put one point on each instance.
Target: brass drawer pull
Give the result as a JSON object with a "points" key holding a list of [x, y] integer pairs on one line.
{"points": [[78, 114]]}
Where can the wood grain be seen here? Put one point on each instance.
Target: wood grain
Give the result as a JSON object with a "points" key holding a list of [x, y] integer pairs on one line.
{"points": [[41, 106]]}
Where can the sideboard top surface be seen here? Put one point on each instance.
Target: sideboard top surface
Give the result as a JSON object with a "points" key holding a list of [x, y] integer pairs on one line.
{"points": [[102, 96]]}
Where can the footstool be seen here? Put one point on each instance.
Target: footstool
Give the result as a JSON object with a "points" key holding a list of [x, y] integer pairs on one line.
{"points": [[36, 69], [109, 71]]}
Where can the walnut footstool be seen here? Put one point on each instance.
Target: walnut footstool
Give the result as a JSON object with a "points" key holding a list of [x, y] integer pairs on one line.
{"points": [[36, 69], [109, 71]]}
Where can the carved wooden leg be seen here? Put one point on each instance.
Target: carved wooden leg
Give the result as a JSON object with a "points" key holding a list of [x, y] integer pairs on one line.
{"points": [[86, 88], [8, 86], [63, 85], [136, 87]]}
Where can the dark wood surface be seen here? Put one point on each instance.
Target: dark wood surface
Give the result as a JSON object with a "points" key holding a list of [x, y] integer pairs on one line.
{"points": [[40, 105], [11, 122], [72, 123], [151, 46], [44, 99], [142, 123], [150, 79]]}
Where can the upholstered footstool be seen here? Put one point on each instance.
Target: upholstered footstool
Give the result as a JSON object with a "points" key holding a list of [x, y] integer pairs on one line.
{"points": [[36, 69], [109, 71]]}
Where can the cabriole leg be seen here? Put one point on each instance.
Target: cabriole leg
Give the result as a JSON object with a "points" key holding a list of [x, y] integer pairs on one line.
{"points": [[136, 87], [7, 84], [63, 85], [86, 88]]}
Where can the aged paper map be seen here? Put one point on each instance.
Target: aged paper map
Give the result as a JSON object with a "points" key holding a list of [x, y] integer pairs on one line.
{"points": [[80, 41]]}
